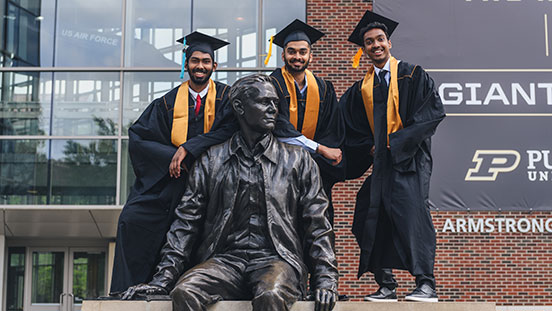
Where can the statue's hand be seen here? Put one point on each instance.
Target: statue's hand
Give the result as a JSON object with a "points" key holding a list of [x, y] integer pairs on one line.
{"points": [[143, 289], [325, 299]]}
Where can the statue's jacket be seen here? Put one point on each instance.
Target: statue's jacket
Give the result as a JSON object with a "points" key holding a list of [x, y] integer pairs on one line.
{"points": [[296, 208]]}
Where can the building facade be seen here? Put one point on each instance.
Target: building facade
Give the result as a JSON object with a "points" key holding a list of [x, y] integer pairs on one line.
{"points": [[74, 76]]}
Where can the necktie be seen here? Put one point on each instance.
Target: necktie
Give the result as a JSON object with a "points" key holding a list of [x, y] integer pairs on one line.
{"points": [[383, 83], [381, 76], [197, 104], [384, 87]]}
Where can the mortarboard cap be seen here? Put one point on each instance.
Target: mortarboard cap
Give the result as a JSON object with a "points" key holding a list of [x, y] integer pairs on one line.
{"points": [[294, 31], [297, 31], [370, 17], [197, 41]]}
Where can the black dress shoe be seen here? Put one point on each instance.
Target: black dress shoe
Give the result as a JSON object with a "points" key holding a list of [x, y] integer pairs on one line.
{"points": [[342, 297], [383, 294], [423, 293]]}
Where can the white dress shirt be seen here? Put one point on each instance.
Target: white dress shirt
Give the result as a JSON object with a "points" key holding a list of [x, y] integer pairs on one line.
{"points": [[201, 94]]}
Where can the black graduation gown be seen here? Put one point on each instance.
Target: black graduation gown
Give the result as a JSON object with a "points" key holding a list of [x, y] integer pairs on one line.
{"points": [[330, 130], [149, 211], [392, 222]]}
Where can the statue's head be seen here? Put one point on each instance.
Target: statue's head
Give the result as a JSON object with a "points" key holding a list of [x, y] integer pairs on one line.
{"points": [[254, 100]]}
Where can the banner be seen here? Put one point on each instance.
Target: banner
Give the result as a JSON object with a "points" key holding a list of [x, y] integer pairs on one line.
{"points": [[492, 66]]}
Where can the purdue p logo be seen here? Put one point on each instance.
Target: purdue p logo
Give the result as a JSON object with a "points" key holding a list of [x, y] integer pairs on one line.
{"points": [[491, 162]]}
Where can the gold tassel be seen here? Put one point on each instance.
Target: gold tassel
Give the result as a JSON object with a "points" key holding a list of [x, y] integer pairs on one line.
{"points": [[356, 58], [269, 51]]}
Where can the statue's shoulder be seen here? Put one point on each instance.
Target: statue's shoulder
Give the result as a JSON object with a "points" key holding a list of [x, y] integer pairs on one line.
{"points": [[292, 151], [221, 150]]}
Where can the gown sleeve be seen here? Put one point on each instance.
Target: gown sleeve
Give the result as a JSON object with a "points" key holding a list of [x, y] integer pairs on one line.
{"points": [[330, 132], [359, 138], [426, 112], [150, 147]]}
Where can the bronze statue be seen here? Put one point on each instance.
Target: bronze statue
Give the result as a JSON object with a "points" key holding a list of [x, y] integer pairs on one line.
{"points": [[253, 220]]}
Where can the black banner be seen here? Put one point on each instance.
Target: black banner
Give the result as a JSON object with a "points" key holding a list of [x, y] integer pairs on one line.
{"points": [[491, 62]]}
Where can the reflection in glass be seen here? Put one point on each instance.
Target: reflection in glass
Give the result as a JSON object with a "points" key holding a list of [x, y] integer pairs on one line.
{"points": [[28, 33], [88, 33], [152, 31], [141, 88], [86, 104], [234, 21], [277, 14], [25, 103], [229, 77], [15, 279], [84, 172], [88, 275], [47, 277], [23, 171], [127, 173]]}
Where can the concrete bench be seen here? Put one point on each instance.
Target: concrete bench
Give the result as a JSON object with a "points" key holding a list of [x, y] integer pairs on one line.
{"points": [[117, 305]]}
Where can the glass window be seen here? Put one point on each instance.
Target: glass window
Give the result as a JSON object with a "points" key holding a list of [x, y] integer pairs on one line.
{"points": [[25, 103], [229, 77], [277, 14], [234, 21], [32, 6], [152, 31], [47, 277], [84, 172], [88, 33], [23, 171], [88, 275], [141, 88], [86, 103], [15, 279], [28, 33]]}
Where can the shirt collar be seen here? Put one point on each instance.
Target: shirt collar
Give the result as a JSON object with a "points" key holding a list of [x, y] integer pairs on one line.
{"points": [[267, 145], [302, 91], [386, 67], [201, 94]]}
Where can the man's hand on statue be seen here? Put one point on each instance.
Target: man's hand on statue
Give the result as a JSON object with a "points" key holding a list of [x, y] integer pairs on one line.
{"points": [[174, 167], [333, 154], [143, 289], [325, 300]]}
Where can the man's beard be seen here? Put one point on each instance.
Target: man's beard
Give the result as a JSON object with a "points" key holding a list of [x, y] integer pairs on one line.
{"points": [[204, 79], [291, 69]]}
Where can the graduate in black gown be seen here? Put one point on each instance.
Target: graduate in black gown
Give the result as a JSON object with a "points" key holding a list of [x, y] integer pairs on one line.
{"points": [[171, 133], [309, 114], [390, 117]]}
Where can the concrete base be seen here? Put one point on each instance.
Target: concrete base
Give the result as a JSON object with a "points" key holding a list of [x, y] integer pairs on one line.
{"points": [[117, 305]]}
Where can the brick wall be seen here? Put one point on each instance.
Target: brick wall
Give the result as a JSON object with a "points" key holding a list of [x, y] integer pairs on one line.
{"points": [[506, 268]]}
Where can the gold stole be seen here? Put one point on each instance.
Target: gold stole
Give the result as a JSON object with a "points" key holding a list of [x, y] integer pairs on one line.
{"points": [[313, 103], [179, 132], [394, 122]]}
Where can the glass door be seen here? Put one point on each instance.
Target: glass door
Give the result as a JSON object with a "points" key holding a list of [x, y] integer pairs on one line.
{"points": [[47, 277], [61, 278], [87, 276]]}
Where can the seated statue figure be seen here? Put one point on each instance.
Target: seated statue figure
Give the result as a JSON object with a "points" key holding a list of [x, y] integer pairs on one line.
{"points": [[253, 220]]}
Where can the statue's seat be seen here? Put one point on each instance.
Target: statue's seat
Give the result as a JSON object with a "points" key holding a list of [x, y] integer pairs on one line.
{"points": [[165, 305]]}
